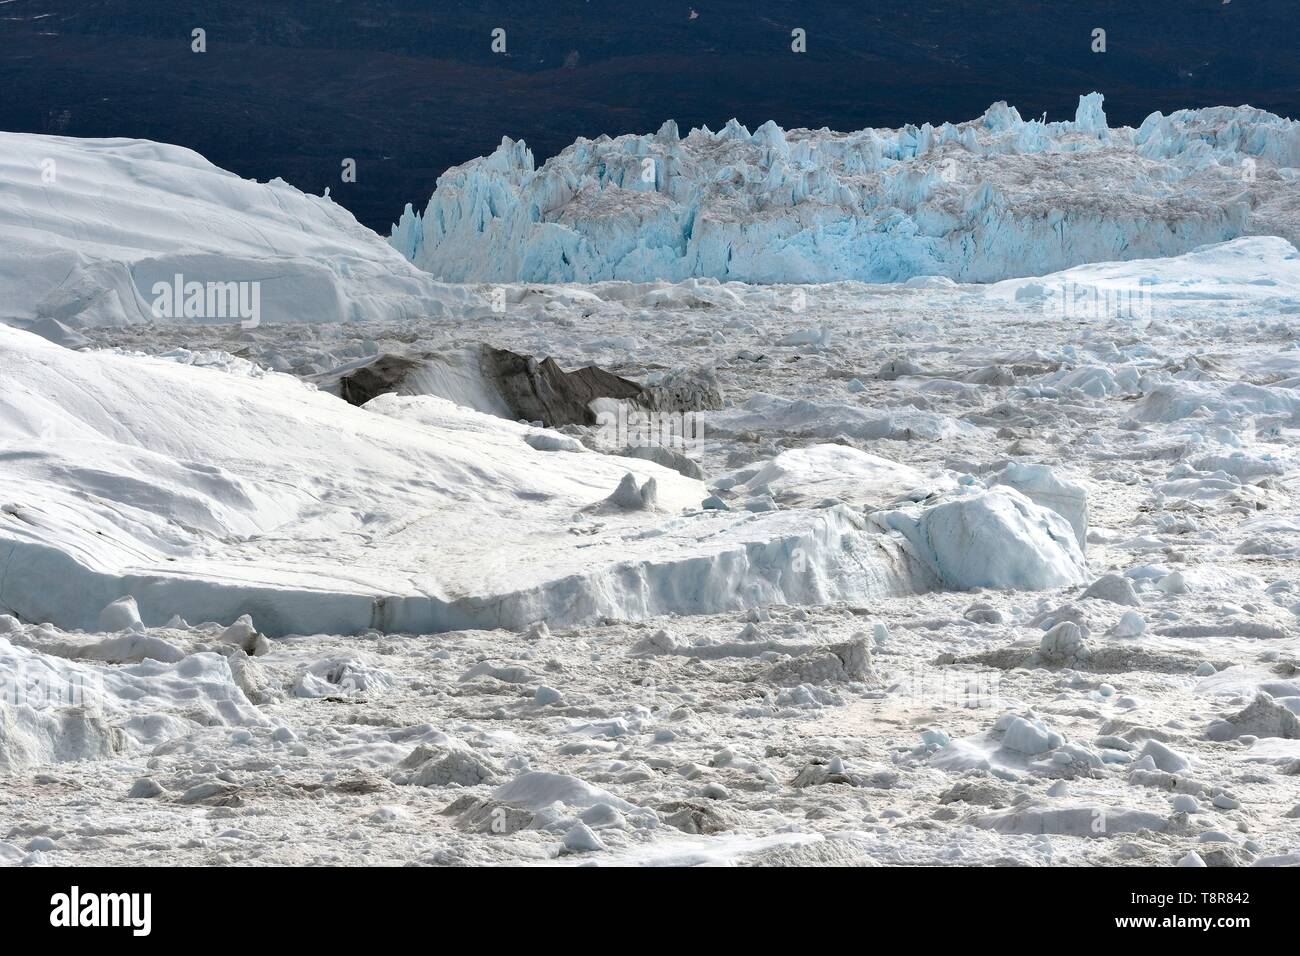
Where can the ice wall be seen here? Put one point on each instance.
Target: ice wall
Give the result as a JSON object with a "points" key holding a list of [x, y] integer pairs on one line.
{"points": [[993, 198]]}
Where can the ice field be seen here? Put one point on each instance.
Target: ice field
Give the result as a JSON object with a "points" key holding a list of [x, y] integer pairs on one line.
{"points": [[982, 547]]}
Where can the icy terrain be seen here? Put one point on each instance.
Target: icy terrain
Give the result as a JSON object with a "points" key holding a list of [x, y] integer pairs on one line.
{"points": [[90, 226], [946, 573], [208, 492], [1139, 708], [993, 198]]}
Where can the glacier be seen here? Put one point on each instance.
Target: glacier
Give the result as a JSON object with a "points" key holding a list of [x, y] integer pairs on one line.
{"points": [[994, 198]]}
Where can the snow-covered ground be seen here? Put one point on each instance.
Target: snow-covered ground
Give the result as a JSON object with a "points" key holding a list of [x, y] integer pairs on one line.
{"points": [[954, 574]]}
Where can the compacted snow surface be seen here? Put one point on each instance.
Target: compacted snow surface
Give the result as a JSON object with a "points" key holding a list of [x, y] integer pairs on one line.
{"points": [[951, 573]]}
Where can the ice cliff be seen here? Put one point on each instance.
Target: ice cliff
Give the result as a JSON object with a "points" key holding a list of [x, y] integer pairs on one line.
{"points": [[989, 199]]}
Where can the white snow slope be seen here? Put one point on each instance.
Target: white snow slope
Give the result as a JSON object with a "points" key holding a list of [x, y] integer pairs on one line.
{"points": [[210, 493], [88, 226], [990, 199]]}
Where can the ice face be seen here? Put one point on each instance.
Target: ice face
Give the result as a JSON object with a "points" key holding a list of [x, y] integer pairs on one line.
{"points": [[993, 198]]}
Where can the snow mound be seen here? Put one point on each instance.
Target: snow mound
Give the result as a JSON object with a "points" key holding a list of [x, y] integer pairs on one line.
{"points": [[981, 201], [1247, 268], [537, 790], [996, 538], [211, 495], [1042, 486], [54, 710], [818, 472], [90, 226], [31, 736]]}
